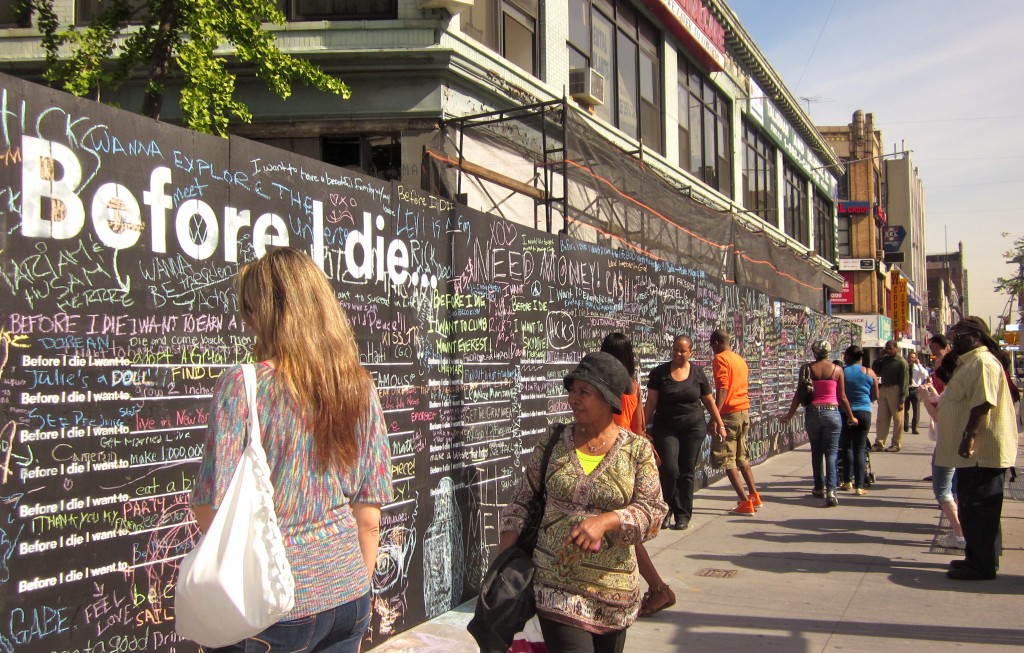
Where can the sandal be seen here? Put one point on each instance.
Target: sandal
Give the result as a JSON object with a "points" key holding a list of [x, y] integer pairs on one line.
{"points": [[656, 600]]}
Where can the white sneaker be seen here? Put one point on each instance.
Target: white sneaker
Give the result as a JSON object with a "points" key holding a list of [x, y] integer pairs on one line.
{"points": [[952, 541]]}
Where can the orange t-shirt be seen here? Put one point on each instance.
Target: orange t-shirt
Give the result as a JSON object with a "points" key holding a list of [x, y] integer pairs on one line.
{"points": [[731, 374], [630, 404]]}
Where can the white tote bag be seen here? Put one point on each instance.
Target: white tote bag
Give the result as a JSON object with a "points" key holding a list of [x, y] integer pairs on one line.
{"points": [[237, 581]]}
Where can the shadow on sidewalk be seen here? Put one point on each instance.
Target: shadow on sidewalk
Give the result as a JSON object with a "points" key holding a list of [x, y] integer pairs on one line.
{"points": [[908, 573], [704, 632]]}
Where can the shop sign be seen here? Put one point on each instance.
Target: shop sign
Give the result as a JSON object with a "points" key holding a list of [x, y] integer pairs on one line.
{"points": [[856, 264], [844, 296]]}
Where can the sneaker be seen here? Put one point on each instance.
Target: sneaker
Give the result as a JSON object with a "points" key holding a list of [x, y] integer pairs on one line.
{"points": [[877, 447], [743, 508], [831, 500], [893, 448], [818, 493], [860, 491], [755, 499], [952, 541], [847, 486]]}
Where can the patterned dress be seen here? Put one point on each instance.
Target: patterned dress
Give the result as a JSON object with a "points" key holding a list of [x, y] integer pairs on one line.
{"points": [[597, 592]]}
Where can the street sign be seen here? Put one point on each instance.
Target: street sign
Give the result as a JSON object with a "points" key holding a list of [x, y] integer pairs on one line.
{"points": [[856, 264], [892, 237]]}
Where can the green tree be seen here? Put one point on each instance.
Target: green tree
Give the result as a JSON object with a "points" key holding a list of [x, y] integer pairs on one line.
{"points": [[1014, 285], [161, 39]]}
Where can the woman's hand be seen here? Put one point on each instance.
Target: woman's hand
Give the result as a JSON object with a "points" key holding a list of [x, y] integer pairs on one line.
{"points": [[718, 430], [589, 533], [785, 417], [853, 421]]}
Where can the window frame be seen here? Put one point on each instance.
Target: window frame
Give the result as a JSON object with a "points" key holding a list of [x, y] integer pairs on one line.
{"points": [[757, 147], [714, 113], [794, 203], [621, 20], [292, 8], [825, 230]]}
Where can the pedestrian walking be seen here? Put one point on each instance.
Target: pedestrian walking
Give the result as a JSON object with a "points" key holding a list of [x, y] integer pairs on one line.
{"points": [[894, 385], [823, 419], [861, 391], [729, 450], [918, 377]]}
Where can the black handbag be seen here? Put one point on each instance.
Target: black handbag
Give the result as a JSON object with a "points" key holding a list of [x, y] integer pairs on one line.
{"points": [[805, 386], [506, 600]]}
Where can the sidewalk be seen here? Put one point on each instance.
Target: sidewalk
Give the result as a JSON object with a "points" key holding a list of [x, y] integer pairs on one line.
{"points": [[799, 577]]}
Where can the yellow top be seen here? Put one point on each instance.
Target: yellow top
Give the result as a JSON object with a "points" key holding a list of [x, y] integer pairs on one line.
{"points": [[589, 462]]}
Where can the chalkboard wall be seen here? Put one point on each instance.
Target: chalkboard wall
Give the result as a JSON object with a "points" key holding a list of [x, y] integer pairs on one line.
{"points": [[120, 237]]}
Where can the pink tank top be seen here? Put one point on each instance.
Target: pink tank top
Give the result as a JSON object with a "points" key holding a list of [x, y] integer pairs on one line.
{"points": [[825, 391]]}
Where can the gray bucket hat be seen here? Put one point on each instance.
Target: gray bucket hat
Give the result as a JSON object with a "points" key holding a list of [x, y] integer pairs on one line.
{"points": [[606, 373]]}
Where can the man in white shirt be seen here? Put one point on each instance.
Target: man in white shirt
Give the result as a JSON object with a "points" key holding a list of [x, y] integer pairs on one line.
{"points": [[918, 377]]}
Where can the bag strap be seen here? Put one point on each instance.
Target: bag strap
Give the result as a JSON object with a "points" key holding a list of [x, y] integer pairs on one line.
{"points": [[556, 433], [249, 376]]}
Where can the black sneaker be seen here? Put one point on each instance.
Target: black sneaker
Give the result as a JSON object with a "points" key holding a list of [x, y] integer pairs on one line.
{"points": [[818, 493], [831, 500]]}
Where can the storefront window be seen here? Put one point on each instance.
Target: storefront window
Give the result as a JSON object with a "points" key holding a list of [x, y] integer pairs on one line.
{"points": [[794, 203], [704, 133], [759, 175], [623, 46], [824, 228], [509, 27]]}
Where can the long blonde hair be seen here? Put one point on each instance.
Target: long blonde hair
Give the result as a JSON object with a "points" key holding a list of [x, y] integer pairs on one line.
{"points": [[286, 299]]}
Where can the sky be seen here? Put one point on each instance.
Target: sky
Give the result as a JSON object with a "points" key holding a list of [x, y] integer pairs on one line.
{"points": [[945, 80]]}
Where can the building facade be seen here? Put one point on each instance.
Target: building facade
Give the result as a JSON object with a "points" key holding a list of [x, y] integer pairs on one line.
{"points": [[948, 301], [677, 86], [904, 245]]}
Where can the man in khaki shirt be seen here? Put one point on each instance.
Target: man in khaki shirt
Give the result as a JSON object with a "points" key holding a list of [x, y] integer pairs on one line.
{"points": [[978, 436]]}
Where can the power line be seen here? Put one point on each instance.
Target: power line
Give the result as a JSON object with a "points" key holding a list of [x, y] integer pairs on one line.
{"points": [[814, 49]]}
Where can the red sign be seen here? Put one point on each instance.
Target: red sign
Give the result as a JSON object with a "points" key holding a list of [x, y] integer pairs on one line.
{"points": [[694, 24], [844, 296]]}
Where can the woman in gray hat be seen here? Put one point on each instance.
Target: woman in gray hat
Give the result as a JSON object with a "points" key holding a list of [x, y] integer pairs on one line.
{"points": [[823, 420], [603, 497]]}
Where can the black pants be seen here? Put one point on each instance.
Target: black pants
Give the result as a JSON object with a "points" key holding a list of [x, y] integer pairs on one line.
{"points": [[979, 494], [911, 402], [679, 451], [853, 447], [561, 638]]}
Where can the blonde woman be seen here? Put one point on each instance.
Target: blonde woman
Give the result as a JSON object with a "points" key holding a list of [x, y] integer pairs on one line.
{"points": [[326, 443]]}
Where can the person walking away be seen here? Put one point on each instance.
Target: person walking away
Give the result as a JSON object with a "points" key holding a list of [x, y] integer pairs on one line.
{"points": [[823, 420], [918, 376], [603, 497], [658, 595], [861, 391], [678, 393], [326, 441], [729, 451], [894, 384], [978, 436]]}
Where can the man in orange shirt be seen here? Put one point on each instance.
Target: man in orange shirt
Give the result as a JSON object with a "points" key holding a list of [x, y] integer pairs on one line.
{"points": [[729, 452]]}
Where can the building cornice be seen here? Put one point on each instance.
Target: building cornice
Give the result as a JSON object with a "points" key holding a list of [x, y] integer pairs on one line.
{"points": [[746, 51]]}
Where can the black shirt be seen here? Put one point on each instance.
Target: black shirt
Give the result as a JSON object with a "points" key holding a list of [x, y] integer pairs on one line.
{"points": [[679, 404]]}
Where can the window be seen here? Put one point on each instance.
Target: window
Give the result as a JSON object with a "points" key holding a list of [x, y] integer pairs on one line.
{"points": [[509, 27], [825, 229], [794, 203], [759, 175], [86, 10], [704, 132], [341, 9], [623, 46], [843, 237], [15, 14], [379, 155]]}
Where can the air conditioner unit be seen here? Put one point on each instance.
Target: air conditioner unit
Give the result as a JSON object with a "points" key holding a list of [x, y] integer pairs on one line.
{"points": [[586, 85]]}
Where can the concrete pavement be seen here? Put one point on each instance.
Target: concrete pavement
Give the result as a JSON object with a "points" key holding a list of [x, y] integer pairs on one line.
{"points": [[798, 577]]}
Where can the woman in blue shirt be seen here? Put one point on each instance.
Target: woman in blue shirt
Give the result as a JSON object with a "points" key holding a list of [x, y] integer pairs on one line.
{"points": [[861, 390]]}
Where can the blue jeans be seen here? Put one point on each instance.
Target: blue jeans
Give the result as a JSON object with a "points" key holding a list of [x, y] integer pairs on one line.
{"points": [[823, 428], [942, 482], [336, 630]]}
